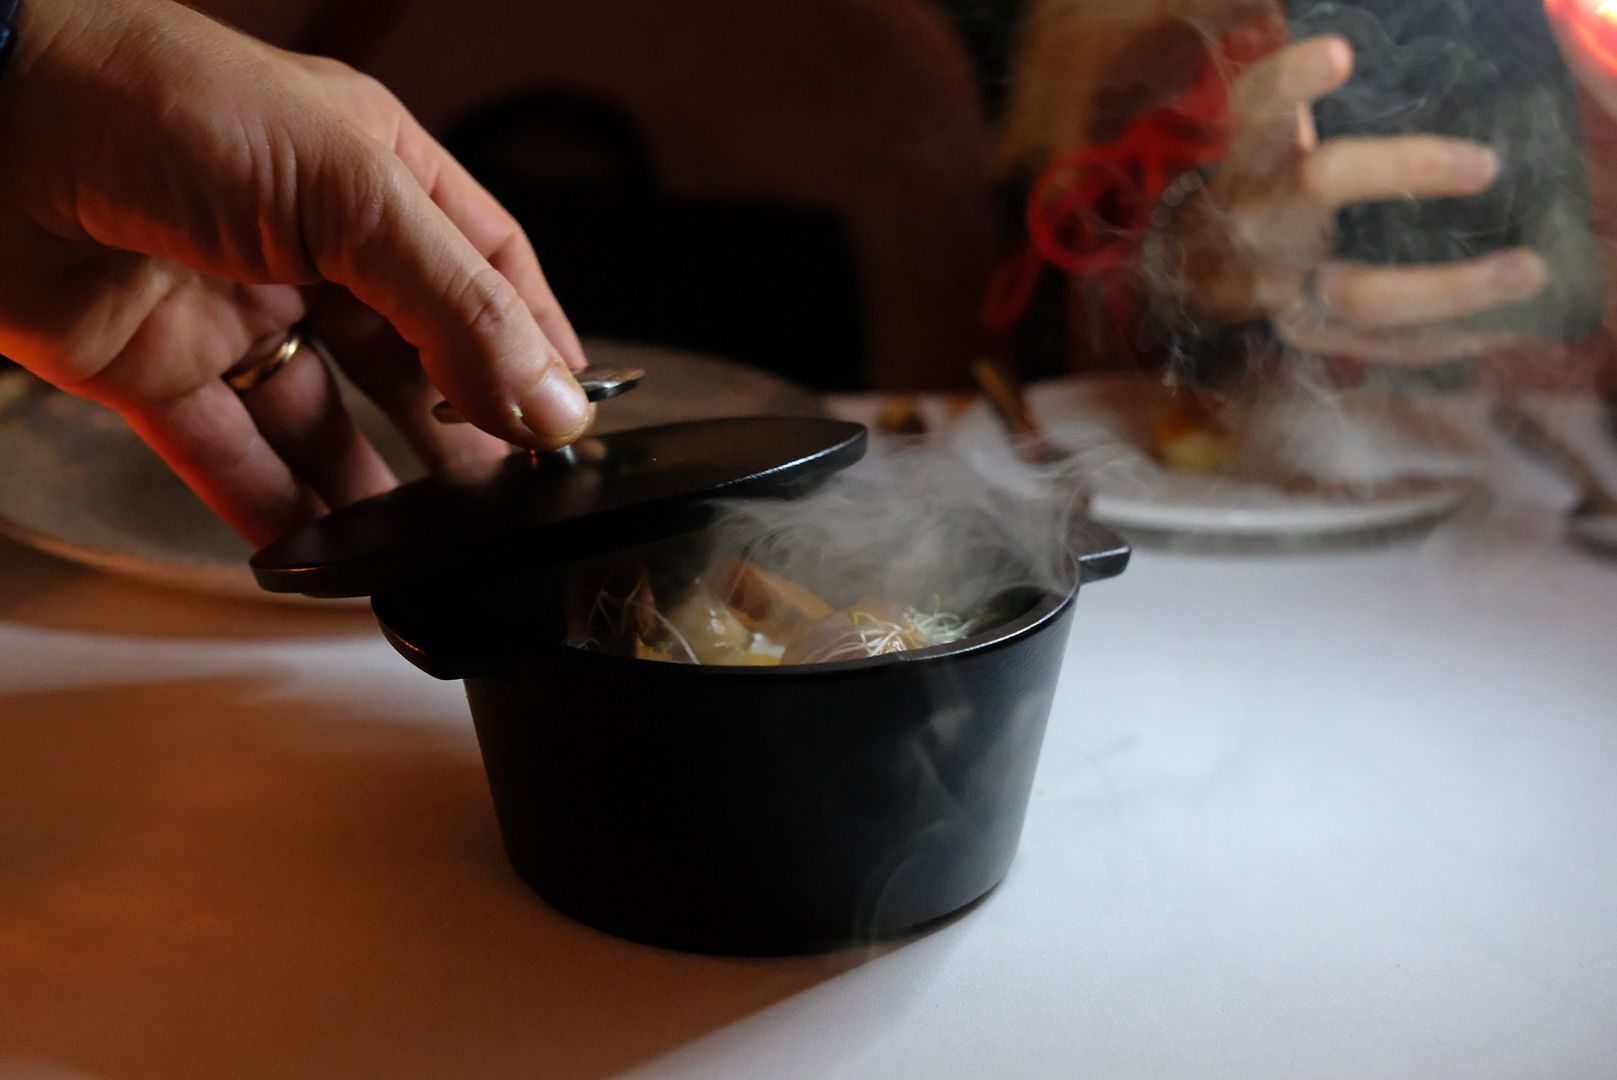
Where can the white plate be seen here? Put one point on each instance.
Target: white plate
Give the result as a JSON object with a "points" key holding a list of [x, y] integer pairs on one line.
{"points": [[1195, 505], [1106, 423], [76, 483]]}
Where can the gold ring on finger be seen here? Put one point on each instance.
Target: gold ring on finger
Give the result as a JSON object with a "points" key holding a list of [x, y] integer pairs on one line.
{"points": [[246, 379]]}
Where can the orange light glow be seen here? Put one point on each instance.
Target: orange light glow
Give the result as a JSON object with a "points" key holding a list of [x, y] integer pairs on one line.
{"points": [[1593, 46], [1592, 26]]}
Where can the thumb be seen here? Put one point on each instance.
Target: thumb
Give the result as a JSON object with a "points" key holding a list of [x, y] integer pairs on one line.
{"points": [[369, 226]]}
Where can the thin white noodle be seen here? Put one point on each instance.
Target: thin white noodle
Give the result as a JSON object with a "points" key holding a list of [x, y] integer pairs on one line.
{"points": [[679, 637]]}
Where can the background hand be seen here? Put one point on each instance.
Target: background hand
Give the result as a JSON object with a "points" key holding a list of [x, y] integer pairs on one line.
{"points": [[1257, 242]]}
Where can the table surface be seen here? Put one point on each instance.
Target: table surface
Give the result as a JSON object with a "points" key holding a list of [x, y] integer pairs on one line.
{"points": [[1323, 816]]}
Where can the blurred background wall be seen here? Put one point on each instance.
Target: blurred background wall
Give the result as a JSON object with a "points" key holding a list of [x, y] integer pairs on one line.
{"points": [[801, 185]]}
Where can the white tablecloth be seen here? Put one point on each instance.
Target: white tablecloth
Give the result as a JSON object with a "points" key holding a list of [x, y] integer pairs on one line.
{"points": [[1328, 816]]}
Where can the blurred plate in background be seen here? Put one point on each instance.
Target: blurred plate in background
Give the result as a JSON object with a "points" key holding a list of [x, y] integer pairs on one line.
{"points": [[75, 482], [1106, 420]]}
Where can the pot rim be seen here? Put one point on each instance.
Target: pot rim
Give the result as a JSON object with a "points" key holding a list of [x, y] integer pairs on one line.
{"points": [[1049, 607], [1106, 555]]}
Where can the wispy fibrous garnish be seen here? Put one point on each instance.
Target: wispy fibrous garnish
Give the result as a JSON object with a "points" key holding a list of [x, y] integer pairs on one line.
{"points": [[765, 620], [865, 631]]}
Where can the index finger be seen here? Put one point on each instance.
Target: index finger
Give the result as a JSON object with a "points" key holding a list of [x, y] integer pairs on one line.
{"points": [[1352, 170], [369, 226], [496, 235], [491, 229]]}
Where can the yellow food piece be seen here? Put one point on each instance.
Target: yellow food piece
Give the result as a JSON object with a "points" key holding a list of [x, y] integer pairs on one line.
{"points": [[710, 628], [1189, 436], [661, 653], [901, 416]]}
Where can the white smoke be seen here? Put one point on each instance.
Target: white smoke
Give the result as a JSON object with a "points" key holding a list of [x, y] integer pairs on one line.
{"points": [[934, 523]]}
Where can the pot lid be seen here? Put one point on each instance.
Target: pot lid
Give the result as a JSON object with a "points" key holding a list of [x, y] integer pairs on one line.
{"points": [[602, 494]]}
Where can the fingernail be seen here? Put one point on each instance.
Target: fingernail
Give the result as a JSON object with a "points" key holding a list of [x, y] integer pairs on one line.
{"points": [[1336, 58], [1476, 165], [1521, 274], [555, 410]]}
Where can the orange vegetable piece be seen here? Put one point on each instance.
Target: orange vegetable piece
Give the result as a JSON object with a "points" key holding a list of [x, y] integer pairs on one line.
{"points": [[761, 598]]}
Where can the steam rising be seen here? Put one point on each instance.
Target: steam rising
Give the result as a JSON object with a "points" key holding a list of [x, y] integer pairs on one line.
{"points": [[940, 524]]}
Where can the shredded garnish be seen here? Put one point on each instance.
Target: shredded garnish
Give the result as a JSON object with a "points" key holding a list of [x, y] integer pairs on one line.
{"points": [[702, 628]]}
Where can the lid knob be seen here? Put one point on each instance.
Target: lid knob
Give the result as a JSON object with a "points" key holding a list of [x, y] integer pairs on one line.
{"points": [[598, 384]]}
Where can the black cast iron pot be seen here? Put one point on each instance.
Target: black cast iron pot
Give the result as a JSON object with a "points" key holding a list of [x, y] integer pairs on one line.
{"points": [[724, 810], [753, 810]]}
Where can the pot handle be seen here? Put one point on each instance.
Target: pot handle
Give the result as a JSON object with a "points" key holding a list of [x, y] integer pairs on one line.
{"points": [[441, 656], [1103, 553]]}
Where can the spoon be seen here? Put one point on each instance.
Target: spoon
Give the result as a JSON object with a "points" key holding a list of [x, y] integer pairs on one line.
{"points": [[1004, 393]]}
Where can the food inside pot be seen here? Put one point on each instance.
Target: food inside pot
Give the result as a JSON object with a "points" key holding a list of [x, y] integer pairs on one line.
{"points": [[735, 613], [925, 543]]}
